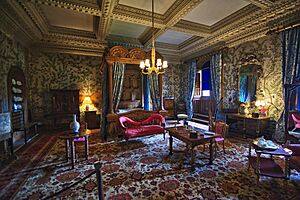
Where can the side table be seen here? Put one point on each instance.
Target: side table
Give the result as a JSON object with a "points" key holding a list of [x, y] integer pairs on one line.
{"points": [[267, 166], [71, 137]]}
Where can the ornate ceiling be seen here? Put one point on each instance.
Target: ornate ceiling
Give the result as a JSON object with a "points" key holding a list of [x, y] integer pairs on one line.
{"points": [[183, 28]]}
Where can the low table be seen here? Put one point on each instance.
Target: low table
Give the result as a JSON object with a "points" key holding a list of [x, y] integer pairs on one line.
{"points": [[183, 135], [264, 166], [69, 138]]}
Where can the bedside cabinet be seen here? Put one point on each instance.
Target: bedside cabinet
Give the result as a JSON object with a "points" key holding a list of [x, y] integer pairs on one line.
{"points": [[91, 118]]}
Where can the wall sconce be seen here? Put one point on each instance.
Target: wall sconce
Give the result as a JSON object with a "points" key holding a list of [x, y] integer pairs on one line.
{"points": [[87, 102]]}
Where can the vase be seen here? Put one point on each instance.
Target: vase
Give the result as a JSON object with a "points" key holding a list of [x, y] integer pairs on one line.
{"points": [[74, 125]]}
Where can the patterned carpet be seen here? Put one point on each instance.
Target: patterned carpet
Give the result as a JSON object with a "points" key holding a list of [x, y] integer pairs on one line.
{"points": [[142, 169]]}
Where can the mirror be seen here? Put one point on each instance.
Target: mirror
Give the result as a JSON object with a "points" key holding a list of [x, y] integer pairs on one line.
{"points": [[249, 74]]}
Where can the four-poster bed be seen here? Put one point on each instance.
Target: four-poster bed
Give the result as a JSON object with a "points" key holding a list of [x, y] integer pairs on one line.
{"points": [[119, 54]]}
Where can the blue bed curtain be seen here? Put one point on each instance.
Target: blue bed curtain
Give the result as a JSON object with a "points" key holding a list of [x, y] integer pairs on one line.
{"points": [[146, 89], [191, 88], [103, 132], [118, 79], [154, 91], [290, 69], [215, 77]]}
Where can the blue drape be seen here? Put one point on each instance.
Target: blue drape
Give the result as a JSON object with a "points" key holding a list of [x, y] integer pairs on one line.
{"points": [[146, 90], [215, 74], [290, 68], [118, 79], [103, 132], [243, 88], [191, 88], [154, 91]]}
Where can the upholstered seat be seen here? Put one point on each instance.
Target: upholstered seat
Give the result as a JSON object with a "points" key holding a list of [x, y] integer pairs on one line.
{"points": [[150, 126]]}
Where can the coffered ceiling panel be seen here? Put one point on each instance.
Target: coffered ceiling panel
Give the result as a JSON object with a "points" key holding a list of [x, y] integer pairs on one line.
{"points": [[68, 18], [126, 29], [160, 6], [210, 12], [173, 37]]}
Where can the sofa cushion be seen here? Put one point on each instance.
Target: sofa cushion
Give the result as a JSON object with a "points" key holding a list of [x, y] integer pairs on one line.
{"points": [[144, 131]]}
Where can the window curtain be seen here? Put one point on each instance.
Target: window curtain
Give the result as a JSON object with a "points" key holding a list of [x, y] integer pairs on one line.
{"points": [[146, 90], [191, 87], [290, 69], [154, 91], [243, 88], [103, 132], [215, 77], [118, 79]]}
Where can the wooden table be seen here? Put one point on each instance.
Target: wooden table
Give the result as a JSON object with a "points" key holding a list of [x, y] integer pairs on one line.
{"points": [[259, 123], [183, 135], [70, 137], [264, 166]]}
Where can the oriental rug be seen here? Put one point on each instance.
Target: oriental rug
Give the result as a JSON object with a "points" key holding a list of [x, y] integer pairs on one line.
{"points": [[143, 169]]}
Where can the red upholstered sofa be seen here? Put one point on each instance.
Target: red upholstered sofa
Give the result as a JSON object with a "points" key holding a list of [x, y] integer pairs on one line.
{"points": [[152, 125]]}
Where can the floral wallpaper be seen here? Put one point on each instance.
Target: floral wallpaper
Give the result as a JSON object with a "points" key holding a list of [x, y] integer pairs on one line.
{"points": [[175, 82], [11, 54], [62, 71], [268, 52]]}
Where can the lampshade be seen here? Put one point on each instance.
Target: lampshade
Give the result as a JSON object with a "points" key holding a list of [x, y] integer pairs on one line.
{"points": [[87, 100]]}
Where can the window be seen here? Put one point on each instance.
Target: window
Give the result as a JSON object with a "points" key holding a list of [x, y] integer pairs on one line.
{"points": [[203, 85]]}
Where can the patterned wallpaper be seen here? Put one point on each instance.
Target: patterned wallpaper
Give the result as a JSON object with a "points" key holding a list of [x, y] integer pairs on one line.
{"points": [[62, 71], [268, 52], [11, 54], [175, 82]]}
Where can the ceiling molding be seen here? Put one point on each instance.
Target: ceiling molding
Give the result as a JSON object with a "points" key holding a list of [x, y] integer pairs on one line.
{"points": [[178, 10], [17, 18], [70, 44], [256, 22], [71, 32], [192, 28], [236, 16], [37, 17], [261, 3], [137, 16], [70, 5], [105, 20]]}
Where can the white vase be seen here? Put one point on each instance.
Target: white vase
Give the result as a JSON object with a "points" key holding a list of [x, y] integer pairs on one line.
{"points": [[74, 125]]}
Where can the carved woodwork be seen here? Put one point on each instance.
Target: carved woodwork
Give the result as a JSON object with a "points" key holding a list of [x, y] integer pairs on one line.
{"points": [[122, 55], [132, 88]]}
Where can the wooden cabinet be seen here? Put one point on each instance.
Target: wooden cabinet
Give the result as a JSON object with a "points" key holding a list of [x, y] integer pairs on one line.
{"points": [[92, 119], [65, 103], [16, 90]]}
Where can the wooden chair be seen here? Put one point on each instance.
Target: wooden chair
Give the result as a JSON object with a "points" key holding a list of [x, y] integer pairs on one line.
{"points": [[221, 129], [18, 124]]}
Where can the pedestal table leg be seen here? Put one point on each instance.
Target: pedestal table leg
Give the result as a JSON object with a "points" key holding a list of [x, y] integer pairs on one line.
{"points": [[67, 149], [86, 148], [72, 153]]}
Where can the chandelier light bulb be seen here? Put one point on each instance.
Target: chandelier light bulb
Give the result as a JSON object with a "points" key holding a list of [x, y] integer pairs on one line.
{"points": [[142, 64]]}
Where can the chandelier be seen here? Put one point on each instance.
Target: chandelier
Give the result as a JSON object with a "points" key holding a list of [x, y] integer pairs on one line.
{"points": [[155, 66]]}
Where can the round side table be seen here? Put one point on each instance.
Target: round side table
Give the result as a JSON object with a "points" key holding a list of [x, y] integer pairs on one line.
{"points": [[70, 138]]}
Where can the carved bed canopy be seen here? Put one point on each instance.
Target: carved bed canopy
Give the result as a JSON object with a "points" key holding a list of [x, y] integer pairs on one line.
{"points": [[123, 55]]}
